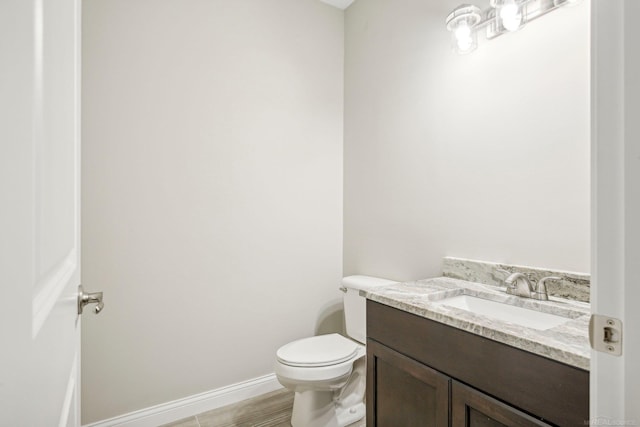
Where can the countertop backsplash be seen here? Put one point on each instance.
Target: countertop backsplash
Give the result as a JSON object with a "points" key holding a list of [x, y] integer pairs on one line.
{"points": [[574, 286]]}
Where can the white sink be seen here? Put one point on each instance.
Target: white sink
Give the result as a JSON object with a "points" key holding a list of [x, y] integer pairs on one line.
{"points": [[506, 312]]}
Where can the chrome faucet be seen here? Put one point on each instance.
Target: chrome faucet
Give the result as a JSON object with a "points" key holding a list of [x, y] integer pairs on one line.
{"points": [[518, 284]]}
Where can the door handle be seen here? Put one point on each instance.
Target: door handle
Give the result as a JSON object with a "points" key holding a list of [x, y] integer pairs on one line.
{"points": [[85, 298]]}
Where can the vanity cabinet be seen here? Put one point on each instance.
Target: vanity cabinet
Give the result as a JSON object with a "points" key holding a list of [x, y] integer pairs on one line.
{"points": [[424, 373]]}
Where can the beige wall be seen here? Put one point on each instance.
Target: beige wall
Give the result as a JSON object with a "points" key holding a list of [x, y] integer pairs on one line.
{"points": [[483, 156], [212, 191], [212, 181]]}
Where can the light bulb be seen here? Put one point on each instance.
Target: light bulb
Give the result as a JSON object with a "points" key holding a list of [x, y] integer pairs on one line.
{"points": [[465, 45], [464, 38], [510, 15], [463, 31]]}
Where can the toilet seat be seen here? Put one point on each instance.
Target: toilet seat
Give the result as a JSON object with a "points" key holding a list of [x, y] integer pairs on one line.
{"points": [[318, 351]]}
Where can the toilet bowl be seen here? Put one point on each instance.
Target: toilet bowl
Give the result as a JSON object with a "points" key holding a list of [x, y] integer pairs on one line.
{"points": [[318, 369], [327, 372]]}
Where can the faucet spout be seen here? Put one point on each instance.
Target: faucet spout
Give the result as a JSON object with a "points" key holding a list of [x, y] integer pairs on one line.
{"points": [[518, 284], [540, 292]]}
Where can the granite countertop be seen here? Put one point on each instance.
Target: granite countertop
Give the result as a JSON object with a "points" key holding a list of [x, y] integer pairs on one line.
{"points": [[567, 343]]}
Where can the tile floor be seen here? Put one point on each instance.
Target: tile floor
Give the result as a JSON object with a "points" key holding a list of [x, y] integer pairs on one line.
{"points": [[269, 410]]}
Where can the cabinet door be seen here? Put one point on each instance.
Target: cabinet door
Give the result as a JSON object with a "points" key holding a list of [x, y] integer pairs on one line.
{"points": [[403, 392], [471, 408]]}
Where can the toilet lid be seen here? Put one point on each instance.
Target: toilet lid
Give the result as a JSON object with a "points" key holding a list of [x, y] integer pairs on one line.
{"points": [[323, 350]]}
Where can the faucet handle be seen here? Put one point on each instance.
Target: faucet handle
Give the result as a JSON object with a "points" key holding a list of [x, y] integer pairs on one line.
{"points": [[519, 284], [541, 292]]}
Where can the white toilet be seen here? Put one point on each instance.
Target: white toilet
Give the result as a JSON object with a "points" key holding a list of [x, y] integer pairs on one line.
{"points": [[327, 372]]}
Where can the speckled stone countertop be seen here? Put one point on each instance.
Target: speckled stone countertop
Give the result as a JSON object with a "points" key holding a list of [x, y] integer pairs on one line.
{"points": [[567, 343]]}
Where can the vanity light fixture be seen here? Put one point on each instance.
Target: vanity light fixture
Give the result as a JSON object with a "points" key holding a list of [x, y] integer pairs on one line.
{"points": [[461, 22], [501, 17]]}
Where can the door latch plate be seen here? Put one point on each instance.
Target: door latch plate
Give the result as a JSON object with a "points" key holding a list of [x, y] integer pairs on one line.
{"points": [[605, 334]]}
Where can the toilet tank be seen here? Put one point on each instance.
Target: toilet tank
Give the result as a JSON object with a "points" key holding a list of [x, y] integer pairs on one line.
{"points": [[355, 306]]}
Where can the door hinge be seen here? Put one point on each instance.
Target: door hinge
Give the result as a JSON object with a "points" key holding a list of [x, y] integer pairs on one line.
{"points": [[605, 334]]}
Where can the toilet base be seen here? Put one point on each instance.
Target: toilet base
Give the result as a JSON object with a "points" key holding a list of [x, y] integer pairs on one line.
{"points": [[318, 409], [347, 416], [332, 408], [314, 408]]}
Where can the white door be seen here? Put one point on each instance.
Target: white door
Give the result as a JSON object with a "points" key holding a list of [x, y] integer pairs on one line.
{"points": [[615, 381], [39, 212]]}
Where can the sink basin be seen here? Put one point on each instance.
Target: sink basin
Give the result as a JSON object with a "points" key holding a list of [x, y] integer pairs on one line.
{"points": [[506, 312]]}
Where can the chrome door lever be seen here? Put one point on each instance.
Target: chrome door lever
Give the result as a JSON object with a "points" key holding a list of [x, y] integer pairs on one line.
{"points": [[85, 298]]}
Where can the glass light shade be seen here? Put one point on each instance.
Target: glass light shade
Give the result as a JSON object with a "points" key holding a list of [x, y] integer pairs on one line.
{"points": [[465, 40], [510, 15]]}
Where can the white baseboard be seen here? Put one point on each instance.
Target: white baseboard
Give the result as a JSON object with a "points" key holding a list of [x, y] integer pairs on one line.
{"points": [[193, 405]]}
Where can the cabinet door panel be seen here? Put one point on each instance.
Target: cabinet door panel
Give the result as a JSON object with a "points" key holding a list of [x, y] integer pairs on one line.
{"points": [[471, 408], [403, 392]]}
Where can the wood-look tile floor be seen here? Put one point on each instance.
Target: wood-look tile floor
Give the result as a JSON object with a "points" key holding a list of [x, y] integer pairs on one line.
{"points": [[269, 410]]}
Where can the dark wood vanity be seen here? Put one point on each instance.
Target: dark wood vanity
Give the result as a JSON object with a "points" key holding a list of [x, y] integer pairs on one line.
{"points": [[424, 373]]}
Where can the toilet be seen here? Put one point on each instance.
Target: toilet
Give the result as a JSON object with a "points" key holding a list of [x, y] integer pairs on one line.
{"points": [[327, 372]]}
